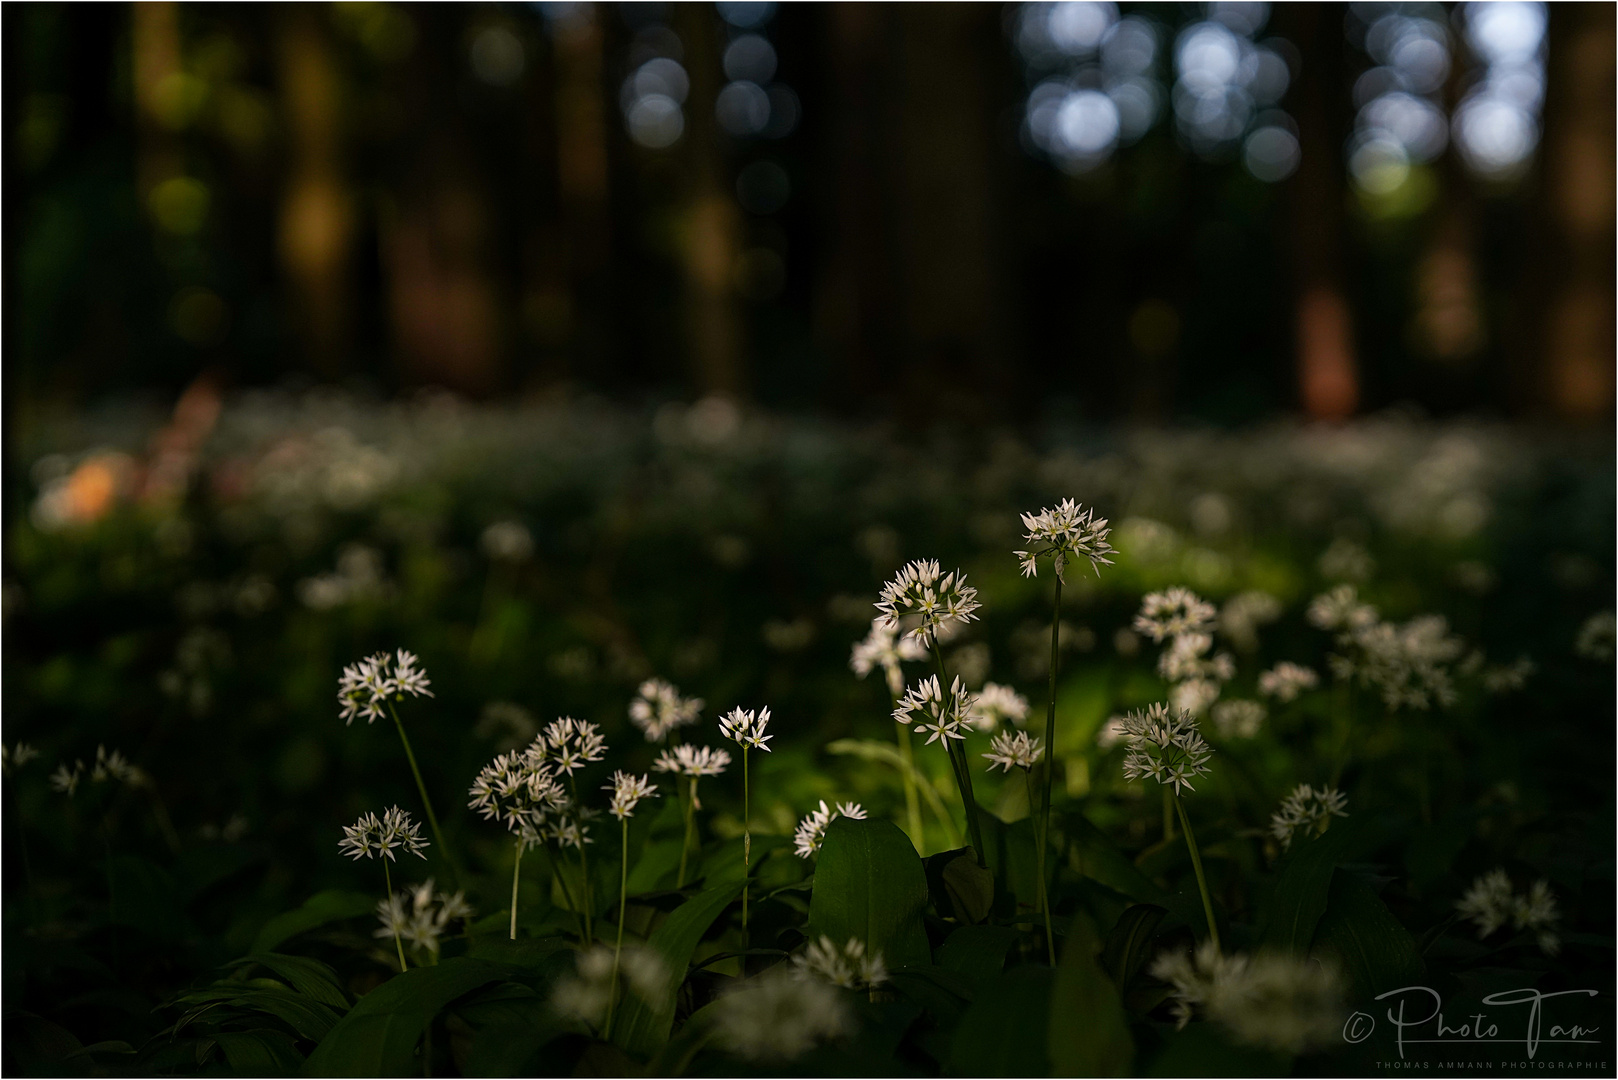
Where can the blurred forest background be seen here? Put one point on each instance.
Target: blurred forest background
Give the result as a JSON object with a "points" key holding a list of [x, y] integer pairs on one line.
{"points": [[1159, 212]]}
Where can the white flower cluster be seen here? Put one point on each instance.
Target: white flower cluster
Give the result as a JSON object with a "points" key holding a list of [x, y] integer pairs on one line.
{"points": [[812, 829], [369, 684], [1491, 903], [1244, 613], [660, 710], [568, 745], [420, 916], [746, 728], [1410, 663], [109, 765], [1186, 621], [1165, 745], [66, 779], [850, 966], [15, 758], [585, 995], [1172, 613], [1341, 609], [519, 791], [995, 705], [1274, 1001], [935, 712], [1308, 808], [1508, 678], [371, 837], [940, 601], [628, 790], [1286, 680], [883, 647], [1009, 749], [1597, 637], [688, 760], [1067, 532], [776, 1017], [1240, 719]]}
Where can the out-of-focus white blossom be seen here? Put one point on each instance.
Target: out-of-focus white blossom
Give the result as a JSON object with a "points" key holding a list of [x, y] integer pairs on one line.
{"points": [[688, 760], [1065, 533], [1271, 1000], [1286, 680], [584, 995], [507, 542], [996, 704], [12, 759], [811, 830], [1187, 658], [1194, 695], [1174, 612], [1346, 560], [371, 837], [1240, 719], [1165, 745], [775, 1017], [746, 727], [1309, 809], [1244, 613], [112, 765], [628, 790], [420, 916], [1597, 636], [1009, 749], [1111, 733], [940, 715], [1340, 609], [660, 709], [1408, 662], [66, 780], [850, 966], [1491, 903], [940, 601], [883, 647], [1509, 678]]}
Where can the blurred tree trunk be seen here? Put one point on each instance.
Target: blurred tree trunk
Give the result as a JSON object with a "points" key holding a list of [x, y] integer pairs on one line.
{"points": [[317, 210], [1328, 373], [1577, 344]]}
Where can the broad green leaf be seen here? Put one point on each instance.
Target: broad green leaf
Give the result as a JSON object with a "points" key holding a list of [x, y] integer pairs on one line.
{"points": [[1129, 941], [1088, 1034], [1304, 882], [309, 977], [942, 992], [378, 1036], [318, 910], [1370, 946], [1004, 1031], [530, 954], [511, 1049], [643, 1026], [969, 887], [259, 1053], [1094, 856], [977, 952], [870, 885]]}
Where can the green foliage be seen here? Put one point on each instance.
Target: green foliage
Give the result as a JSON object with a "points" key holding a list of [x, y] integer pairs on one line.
{"points": [[644, 1024], [317, 911], [870, 886], [1088, 1034], [1303, 883], [1004, 1031], [1369, 945]]}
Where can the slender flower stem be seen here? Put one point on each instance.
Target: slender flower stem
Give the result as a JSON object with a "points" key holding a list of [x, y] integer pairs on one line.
{"points": [[690, 823], [1196, 864], [963, 774], [516, 870], [387, 878], [747, 845], [913, 822], [584, 866], [421, 786], [567, 894], [1044, 898], [1050, 758], [623, 901]]}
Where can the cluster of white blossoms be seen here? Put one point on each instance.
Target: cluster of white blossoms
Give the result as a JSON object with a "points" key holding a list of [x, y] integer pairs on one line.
{"points": [[1173, 613], [660, 710], [66, 778], [1244, 613], [109, 765], [995, 705], [1286, 680], [369, 684], [519, 791], [1597, 637], [1409, 663], [745, 728], [938, 600], [1508, 678], [884, 648], [812, 829], [1067, 532], [1309, 809], [584, 995], [850, 966], [688, 760], [933, 711], [420, 916], [15, 758], [1009, 749], [628, 790], [1341, 610], [568, 745], [775, 1017], [1239, 719], [1165, 745], [1491, 903], [1274, 1001], [1186, 622], [373, 837]]}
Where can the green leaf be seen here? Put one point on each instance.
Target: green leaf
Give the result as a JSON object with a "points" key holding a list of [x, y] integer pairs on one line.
{"points": [[1370, 946], [1205, 1050], [977, 952], [530, 954], [1003, 1033], [870, 885], [942, 992], [1097, 858], [378, 1036], [643, 1026], [318, 910], [259, 1053], [1129, 941], [309, 977], [1088, 1034], [511, 1050], [969, 888], [1304, 882]]}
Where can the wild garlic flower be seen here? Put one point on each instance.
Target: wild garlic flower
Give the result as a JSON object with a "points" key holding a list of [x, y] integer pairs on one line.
{"points": [[114, 766], [883, 647], [850, 966], [516, 790], [628, 790], [1309, 809], [1272, 1000], [66, 780], [1009, 749], [660, 710], [1065, 532], [688, 760], [775, 1017], [1597, 637], [1194, 695], [1340, 609], [15, 758], [584, 995], [811, 830], [940, 601], [1409, 663], [1174, 612], [1244, 613], [1508, 678], [367, 685], [1239, 719], [1490, 903], [568, 745], [1111, 733], [1286, 680], [420, 916], [572, 831], [370, 837], [941, 715], [1187, 658], [996, 703], [746, 727], [1166, 746]]}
